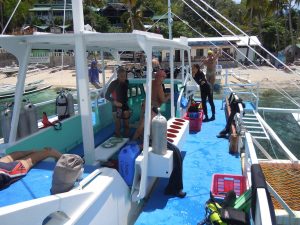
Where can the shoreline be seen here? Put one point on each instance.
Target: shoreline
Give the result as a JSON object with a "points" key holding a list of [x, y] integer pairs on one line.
{"points": [[267, 77]]}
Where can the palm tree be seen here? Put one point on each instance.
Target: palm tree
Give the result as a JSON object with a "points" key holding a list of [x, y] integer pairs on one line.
{"points": [[289, 5], [277, 7], [134, 18], [131, 4], [256, 9]]}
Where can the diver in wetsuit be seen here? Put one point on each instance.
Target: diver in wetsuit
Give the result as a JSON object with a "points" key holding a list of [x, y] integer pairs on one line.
{"points": [[199, 77], [117, 95]]}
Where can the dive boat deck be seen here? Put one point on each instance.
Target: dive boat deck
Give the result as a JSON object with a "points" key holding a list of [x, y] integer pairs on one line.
{"points": [[204, 154], [35, 184]]}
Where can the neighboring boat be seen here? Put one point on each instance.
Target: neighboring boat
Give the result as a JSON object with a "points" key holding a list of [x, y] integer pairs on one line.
{"points": [[9, 70], [103, 197], [10, 89]]}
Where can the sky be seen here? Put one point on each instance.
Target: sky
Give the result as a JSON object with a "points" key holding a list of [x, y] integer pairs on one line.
{"points": [[237, 1]]}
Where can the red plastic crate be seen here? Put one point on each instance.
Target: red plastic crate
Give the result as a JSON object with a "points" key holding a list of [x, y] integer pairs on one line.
{"points": [[223, 183]]}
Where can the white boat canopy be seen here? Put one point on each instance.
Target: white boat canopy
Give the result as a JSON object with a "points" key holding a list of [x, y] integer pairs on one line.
{"points": [[135, 41]]}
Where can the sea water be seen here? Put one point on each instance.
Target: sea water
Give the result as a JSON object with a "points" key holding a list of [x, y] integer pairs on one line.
{"points": [[283, 124]]}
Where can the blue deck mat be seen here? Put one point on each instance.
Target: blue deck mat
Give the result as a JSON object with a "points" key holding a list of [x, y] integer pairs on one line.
{"points": [[35, 184], [205, 154]]}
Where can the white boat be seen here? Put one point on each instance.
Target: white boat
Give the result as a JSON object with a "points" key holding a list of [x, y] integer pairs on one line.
{"points": [[103, 197], [8, 90], [9, 70]]}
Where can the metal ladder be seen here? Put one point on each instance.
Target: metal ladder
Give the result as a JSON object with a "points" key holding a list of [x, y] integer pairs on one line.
{"points": [[254, 126]]}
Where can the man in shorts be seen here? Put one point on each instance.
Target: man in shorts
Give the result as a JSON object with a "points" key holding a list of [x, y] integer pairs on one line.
{"points": [[158, 97], [117, 95], [210, 63]]}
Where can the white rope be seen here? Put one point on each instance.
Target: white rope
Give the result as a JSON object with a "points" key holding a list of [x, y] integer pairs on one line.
{"points": [[295, 85], [285, 94], [230, 31], [149, 28], [11, 16], [209, 41], [218, 32], [236, 27], [157, 21], [270, 141]]}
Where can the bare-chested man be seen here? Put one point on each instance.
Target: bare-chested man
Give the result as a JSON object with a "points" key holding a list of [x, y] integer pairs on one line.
{"points": [[210, 63], [158, 97]]}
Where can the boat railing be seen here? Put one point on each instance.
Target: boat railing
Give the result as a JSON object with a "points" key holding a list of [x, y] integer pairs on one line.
{"points": [[272, 133], [251, 95], [184, 92], [262, 209]]}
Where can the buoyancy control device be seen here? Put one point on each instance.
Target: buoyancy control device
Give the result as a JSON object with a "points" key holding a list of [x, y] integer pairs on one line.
{"points": [[159, 134], [64, 104], [27, 120], [223, 214]]}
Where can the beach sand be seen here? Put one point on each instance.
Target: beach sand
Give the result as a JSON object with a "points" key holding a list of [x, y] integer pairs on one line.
{"points": [[64, 78], [266, 77]]}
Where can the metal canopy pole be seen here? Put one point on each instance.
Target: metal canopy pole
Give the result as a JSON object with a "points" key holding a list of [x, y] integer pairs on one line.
{"points": [[82, 83], [23, 62], [172, 81], [170, 20]]}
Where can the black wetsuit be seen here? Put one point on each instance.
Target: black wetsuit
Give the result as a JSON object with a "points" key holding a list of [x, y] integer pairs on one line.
{"points": [[205, 92], [175, 182], [117, 91]]}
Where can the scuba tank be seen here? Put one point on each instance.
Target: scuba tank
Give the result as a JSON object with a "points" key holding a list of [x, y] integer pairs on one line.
{"points": [[70, 104], [23, 125], [159, 134], [6, 116], [31, 117], [64, 105]]}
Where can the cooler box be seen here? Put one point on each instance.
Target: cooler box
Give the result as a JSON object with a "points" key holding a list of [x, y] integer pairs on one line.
{"points": [[126, 159], [223, 183], [195, 119]]}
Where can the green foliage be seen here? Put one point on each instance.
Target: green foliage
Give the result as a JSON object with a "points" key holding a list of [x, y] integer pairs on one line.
{"points": [[256, 17], [98, 22], [21, 16]]}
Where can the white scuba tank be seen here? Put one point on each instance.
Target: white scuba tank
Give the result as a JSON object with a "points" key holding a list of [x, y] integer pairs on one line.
{"points": [[159, 134], [70, 100], [6, 116], [31, 117], [23, 128]]}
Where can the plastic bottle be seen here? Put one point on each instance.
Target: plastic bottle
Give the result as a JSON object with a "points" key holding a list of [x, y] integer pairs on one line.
{"points": [[159, 134], [126, 159]]}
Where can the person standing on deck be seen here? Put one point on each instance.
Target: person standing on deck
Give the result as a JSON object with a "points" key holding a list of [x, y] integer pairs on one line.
{"points": [[94, 75], [205, 91], [210, 63], [117, 94]]}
